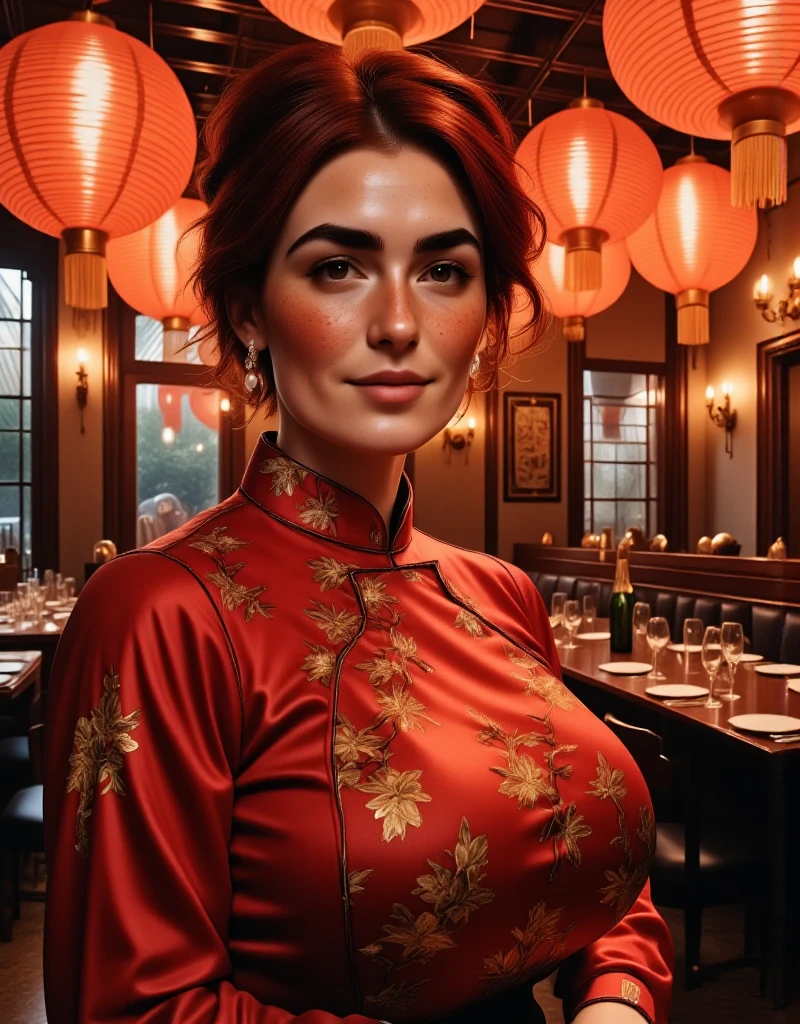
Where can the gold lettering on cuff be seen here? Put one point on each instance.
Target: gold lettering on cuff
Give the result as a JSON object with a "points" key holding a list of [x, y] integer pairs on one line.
{"points": [[630, 991]]}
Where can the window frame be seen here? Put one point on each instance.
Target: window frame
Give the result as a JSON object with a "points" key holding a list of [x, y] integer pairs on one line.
{"points": [[23, 248], [122, 372]]}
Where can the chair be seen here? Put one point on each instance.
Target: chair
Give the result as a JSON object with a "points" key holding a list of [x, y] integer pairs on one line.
{"points": [[22, 830], [724, 868]]}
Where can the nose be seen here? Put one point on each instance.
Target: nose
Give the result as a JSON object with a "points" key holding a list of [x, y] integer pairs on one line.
{"points": [[394, 321]]}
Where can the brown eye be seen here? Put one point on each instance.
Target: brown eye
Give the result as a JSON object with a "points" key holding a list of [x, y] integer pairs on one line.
{"points": [[337, 269], [441, 272]]}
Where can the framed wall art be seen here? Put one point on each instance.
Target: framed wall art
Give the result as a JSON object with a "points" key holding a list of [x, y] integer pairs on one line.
{"points": [[532, 436]]}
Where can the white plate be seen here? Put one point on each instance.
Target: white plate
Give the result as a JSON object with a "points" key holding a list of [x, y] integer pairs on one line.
{"points": [[52, 604], [6, 677], [778, 670], [12, 666], [747, 659], [794, 686], [592, 636], [626, 668], [677, 690], [683, 649], [765, 723]]}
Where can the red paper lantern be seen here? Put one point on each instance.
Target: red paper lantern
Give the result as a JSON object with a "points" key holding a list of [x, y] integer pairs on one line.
{"points": [[204, 403], [720, 69], [596, 177], [382, 24], [170, 400], [150, 270], [97, 139], [693, 242], [575, 307]]}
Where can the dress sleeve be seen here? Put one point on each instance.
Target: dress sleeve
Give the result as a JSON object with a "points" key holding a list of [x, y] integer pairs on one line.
{"points": [[142, 736], [631, 963]]}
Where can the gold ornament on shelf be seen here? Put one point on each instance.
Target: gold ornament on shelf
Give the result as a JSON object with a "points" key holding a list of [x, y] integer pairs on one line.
{"points": [[104, 551], [704, 546], [725, 544], [659, 543], [590, 540], [634, 540], [778, 549], [547, 538]]}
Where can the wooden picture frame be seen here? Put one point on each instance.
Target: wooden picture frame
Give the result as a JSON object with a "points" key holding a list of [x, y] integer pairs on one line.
{"points": [[532, 446]]}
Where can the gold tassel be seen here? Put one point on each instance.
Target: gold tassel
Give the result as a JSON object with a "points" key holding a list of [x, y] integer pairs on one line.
{"points": [[369, 35], [692, 306], [574, 328], [758, 167], [85, 277], [583, 263], [85, 281]]}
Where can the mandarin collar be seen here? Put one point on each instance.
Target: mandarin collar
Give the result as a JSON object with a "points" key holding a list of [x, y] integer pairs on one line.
{"points": [[315, 504]]}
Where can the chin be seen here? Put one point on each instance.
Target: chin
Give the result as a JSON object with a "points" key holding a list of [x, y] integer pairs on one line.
{"points": [[384, 435]]}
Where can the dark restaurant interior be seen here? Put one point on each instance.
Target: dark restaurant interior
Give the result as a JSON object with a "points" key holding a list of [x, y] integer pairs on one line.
{"points": [[639, 464]]}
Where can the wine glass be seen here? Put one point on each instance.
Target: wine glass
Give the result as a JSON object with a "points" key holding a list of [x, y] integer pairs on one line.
{"points": [[732, 642], [657, 638], [572, 619], [712, 659], [641, 616], [589, 610], [557, 603], [693, 632]]}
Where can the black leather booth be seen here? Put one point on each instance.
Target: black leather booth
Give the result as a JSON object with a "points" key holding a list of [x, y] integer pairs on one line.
{"points": [[772, 630]]}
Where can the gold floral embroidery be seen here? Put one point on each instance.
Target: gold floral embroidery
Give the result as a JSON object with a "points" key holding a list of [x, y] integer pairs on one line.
{"points": [[373, 592], [412, 575], [624, 885], [399, 996], [349, 743], [355, 878], [339, 627], [537, 947], [526, 781], [329, 572], [375, 537], [217, 544], [319, 664], [100, 743], [454, 893], [286, 474], [397, 799], [402, 709], [630, 991], [540, 681], [465, 620], [320, 513]]}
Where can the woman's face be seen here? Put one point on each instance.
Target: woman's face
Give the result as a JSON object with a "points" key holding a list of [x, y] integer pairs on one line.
{"points": [[378, 268]]}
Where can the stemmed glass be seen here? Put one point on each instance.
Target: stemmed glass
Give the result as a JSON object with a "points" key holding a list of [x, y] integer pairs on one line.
{"points": [[657, 638], [641, 616], [693, 631], [712, 659], [572, 619], [557, 608], [732, 642], [589, 610]]}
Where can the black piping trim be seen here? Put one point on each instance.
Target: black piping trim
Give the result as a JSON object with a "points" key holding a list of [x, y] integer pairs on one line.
{"points": [[230, 649]]}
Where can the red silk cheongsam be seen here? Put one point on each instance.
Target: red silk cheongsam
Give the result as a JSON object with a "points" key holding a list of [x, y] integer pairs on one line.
{"points": [[300, 771]]}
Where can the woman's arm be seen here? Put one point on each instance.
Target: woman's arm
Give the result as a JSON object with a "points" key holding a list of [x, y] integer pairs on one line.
{"points": [[143, 735], [608, 1013]]}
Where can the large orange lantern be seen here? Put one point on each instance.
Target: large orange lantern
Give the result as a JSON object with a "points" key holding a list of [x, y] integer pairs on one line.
{"points": [[596, 177], [97, 139], [204, 403], [382, 24], [150, 270], [694, 241], [574, 307], [720, 69]]}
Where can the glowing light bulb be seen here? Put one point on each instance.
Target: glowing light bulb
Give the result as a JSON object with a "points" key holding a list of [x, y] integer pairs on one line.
{"points": [[225, 405], [168, 398], [198, 447], [709, 394], [796, 267], [168, 435], [727, 388], [83, 355], [763, 289], [471, 423]]}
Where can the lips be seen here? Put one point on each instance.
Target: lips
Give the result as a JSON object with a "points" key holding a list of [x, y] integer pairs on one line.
{"points": [[385, 379]]}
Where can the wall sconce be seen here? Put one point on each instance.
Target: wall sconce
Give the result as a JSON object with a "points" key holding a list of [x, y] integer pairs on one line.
{"points": [[724, 416], [459, 440], [762, 296], [82, 389]]}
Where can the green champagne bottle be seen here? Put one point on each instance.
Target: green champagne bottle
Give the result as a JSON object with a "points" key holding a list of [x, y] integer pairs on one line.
{"points": [[621, 609]]}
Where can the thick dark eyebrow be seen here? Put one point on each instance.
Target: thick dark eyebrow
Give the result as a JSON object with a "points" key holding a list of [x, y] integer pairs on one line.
{"points": [[354, 238]]}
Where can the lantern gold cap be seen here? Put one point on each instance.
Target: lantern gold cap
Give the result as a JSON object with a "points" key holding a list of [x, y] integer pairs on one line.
{"points": [[93, 17], [585, 102]]}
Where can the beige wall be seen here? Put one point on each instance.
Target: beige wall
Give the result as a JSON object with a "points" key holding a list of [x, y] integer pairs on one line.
{"points": [[80, 456], [736, 329]]}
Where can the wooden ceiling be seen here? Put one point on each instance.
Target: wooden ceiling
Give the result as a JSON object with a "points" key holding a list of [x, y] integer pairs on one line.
{"points": [[521, 49]]}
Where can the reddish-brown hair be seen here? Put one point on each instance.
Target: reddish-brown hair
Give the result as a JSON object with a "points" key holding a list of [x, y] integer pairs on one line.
{"points": [[279, 123]]}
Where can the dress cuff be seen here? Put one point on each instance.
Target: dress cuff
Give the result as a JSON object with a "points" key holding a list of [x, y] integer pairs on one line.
{"points": [[614, 987]]}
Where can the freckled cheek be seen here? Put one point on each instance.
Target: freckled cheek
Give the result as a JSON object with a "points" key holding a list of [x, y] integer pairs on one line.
{"points": [[456, 332], [313, 332]]}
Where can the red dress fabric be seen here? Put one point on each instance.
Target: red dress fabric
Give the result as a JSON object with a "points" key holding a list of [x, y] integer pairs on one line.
{"points": [[298, 771]]}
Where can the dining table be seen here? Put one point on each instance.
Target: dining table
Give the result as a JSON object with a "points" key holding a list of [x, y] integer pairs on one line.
{"points": [[702, 728]]}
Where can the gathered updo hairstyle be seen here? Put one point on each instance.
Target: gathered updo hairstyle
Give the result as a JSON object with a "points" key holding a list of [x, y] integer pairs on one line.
{"points": [[277, 124]]}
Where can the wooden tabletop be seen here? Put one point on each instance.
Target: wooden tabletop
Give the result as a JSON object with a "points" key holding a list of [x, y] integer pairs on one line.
{"points": [[24, 677], [760, 694]]}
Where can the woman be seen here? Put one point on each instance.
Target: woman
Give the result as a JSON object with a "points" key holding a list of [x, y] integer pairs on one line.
{"points": [[305, 762]]}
